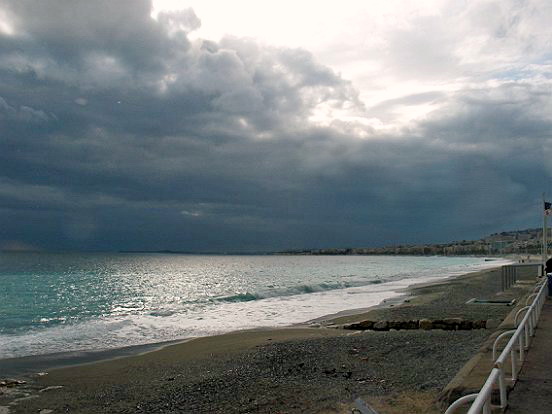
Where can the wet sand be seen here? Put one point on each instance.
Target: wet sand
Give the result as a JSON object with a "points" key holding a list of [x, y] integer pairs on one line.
{"points": [[313, 369]]}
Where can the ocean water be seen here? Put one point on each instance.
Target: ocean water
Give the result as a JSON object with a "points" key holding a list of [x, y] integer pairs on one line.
{"points": [[70, 302]]}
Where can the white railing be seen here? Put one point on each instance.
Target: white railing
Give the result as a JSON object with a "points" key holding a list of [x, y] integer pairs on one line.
{"points": [[520, 339]]}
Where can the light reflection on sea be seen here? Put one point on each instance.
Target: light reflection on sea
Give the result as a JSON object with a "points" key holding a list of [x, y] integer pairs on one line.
{"points": [[68, 302]]}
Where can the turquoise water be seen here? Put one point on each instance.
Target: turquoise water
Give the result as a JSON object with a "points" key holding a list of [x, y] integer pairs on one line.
{"points": [[67, 302]]}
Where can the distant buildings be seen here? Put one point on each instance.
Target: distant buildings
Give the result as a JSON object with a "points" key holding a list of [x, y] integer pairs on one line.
{"points": [[527, 241]]}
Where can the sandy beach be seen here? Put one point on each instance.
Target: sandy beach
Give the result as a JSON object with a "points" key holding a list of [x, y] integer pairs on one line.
{"points": [[313, 368]]}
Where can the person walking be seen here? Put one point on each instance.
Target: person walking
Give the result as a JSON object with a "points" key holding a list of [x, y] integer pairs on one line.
{"points": [[548, 271]]}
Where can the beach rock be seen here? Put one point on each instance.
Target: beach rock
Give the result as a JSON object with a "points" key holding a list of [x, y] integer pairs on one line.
{"points": [[425, 324], [403, 325], [395, 325], [366, 324], [411, 324], [360, 326], [479, 324], [453, 324], [448, 324], [440, 324], [381, 326], [465, 325]]}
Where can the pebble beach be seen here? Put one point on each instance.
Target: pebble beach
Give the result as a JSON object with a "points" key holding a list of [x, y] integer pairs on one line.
{"points": [[311, 368]]}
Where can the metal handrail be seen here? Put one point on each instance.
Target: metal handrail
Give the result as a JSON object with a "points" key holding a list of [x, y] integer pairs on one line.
{"points": [[460, 402], [498, 338], [519, 313], [529, 298], [482, 403]]}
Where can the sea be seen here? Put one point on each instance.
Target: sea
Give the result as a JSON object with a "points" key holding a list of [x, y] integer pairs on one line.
{"points": [[69, 302]]}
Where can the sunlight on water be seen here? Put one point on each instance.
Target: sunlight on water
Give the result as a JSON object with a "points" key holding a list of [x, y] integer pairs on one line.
{"points": [[63, 302]]}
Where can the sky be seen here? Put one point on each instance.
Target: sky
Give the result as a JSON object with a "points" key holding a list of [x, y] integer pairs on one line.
{"points": [[259, 126]]}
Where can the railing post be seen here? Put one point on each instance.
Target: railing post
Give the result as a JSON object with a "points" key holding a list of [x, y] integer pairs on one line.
{"points": [[487, 406], [502, 386], [525, 308], [514, 365], [527, 327], [497, 340]]}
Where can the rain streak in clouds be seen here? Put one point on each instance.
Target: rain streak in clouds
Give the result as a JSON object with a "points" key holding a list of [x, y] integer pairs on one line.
{"points": [[124, 126]]}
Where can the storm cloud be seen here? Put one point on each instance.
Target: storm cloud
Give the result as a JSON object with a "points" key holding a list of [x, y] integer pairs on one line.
{"points": [[120, 130]]}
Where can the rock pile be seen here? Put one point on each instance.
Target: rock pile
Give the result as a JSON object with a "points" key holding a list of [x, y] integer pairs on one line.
{"points": [[449, 324]]}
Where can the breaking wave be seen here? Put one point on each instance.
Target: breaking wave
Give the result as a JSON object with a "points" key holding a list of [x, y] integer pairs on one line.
{"points": [[291, 291]]}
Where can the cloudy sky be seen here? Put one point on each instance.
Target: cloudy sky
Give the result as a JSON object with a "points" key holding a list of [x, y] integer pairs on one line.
{"points": [[246, 125]]}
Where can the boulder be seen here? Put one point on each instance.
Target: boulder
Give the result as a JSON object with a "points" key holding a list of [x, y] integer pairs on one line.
{"points": [[465, 325], [360, 326], [479, 324], [408, 325], [395, 325], [381, 326], [452, 324], [440, 324], [425, 324], [411, 324]]}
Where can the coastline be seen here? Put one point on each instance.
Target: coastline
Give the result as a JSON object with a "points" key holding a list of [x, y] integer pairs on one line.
{"points": [[309, 288], [396, 292], [197, 356]]}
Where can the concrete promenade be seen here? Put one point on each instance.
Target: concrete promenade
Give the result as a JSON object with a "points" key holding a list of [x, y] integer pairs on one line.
{"points": [[533, 392]]}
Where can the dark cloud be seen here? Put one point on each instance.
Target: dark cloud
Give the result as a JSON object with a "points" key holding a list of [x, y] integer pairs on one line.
{"points": [[118, 132]]}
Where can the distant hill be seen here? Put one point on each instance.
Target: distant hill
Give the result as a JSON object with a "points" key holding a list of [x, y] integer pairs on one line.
{"points": [[528, 241]]}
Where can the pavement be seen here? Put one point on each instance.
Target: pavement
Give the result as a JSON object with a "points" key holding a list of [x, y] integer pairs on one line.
{"points": [[532, 394]]}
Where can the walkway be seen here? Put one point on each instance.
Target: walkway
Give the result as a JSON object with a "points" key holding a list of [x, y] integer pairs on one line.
{"points": [[533, 392]]}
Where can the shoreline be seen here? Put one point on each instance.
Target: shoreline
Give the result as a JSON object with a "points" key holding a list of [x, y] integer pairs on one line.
{"points": [[357, 284], [31, 365], [23, 366], [293, 369]]}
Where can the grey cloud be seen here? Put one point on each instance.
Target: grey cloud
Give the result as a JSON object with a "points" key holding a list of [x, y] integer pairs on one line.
{"points": [[179, 21], [123, 29], [507, 117], [148, 140], [23, 113]]}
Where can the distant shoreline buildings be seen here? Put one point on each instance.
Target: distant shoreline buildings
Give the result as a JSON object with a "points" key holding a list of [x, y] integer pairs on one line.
{"points": [[527, 241]]}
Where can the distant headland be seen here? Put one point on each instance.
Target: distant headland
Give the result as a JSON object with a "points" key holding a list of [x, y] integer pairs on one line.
{"points": [[528, 241]]}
